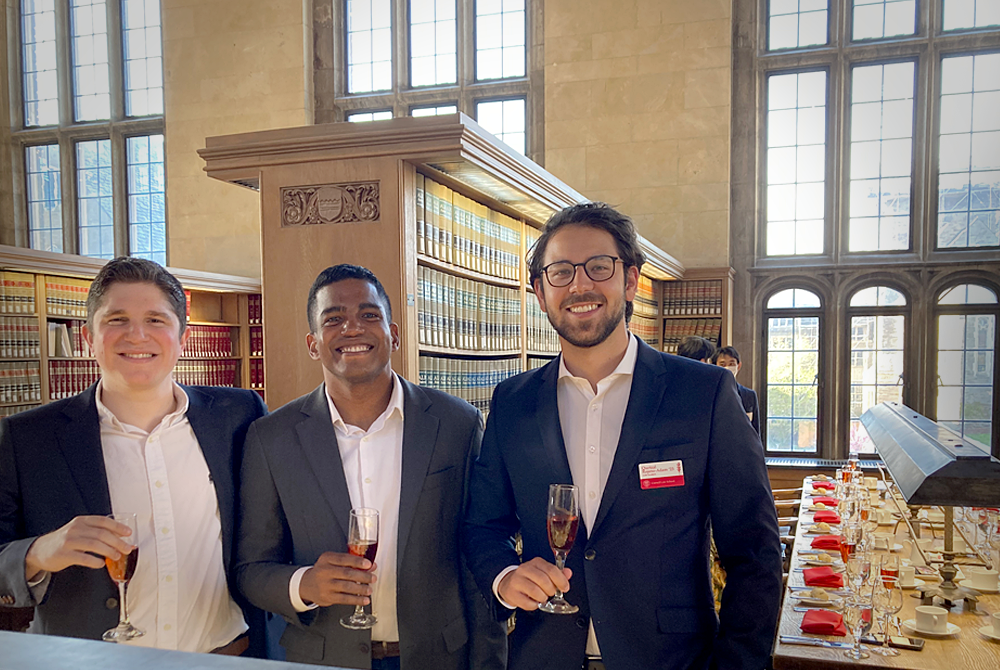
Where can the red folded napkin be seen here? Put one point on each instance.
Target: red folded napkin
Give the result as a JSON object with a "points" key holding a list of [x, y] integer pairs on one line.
{"points": [[826, 515], [822, 576], [823, 622], [826, 500], [824, 485], [826, 542]]}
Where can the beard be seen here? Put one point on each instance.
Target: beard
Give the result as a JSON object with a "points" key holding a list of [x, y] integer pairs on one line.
{"points": [[591, 334]]}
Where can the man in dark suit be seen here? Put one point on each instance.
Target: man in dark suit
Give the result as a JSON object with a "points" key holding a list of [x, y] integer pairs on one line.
{"points": [[135, 442], [365, 438], [658, 447], [729, 358]]}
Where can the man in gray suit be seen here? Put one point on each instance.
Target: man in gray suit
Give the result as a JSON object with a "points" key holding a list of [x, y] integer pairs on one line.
{"points": [[364, 438]]}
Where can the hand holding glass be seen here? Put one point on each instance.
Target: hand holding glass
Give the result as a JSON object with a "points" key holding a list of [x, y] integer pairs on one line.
{"points": [[362, 540], [121, 571], [563, 521]]}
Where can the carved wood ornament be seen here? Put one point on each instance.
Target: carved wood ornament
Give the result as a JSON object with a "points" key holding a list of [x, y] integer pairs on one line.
{"points": [[330, 203]]}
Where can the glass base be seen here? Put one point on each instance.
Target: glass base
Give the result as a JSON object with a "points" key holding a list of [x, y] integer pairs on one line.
{"points": [[358, 621], [122, 633], [557, 605], [885, 651], [857, 655]]}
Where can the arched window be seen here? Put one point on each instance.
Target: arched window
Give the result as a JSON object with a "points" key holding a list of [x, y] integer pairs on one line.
{"points": [[791, 397], [878, 336], [966, 361]]}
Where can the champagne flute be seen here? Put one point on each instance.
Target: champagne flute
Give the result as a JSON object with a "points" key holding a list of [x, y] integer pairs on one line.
{"points": [[854, 618], [362, 540], [563, 519], [887, 598], [121, 572], [889, 568]]}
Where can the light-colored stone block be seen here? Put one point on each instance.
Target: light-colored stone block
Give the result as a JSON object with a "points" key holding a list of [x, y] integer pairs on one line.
{"points": [[704, 197], [631, 165], [569, 165], [570, 100], [703, 34], [707, 88], [568, 48], [703, 160]]}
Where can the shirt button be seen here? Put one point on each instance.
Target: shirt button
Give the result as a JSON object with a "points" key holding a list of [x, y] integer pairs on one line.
{"points": [[593, 448], [110, 603], [590, 554], [368, 480], [166, 626], [591, 495], [364, 439], [159, 485], [164, 530], [168, 578], [593, 408]]}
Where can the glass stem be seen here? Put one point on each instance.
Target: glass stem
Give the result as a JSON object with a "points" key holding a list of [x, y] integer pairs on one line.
{"points": [[560, 563], [885, 630], [359, 611], [123, 610]]}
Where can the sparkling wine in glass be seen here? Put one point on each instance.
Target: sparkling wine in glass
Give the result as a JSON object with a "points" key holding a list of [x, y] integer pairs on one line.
{"points": [[889, 568], [121, 572], [362, 540], [563, 519]]}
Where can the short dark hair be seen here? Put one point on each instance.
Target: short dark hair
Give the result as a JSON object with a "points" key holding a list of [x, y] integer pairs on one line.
{"points": [[130, 270], [726, 351], [337, 273], [697, 348], [597, 215]]}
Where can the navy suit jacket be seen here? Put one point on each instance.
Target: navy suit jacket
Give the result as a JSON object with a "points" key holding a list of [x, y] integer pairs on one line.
{"points": [[641, 574], [52, 470]]}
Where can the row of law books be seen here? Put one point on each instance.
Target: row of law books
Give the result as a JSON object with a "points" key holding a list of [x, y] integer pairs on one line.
{"points": [[17, 292], [535, 362], [256, 341], [472, 380], [646, 303], [67, 378], [458, 230], [255, 305], [539, 333], [647, 330], [20, 382], [66, 297], [11, 410], [19, 337], [66, 340], [464, 314], [675, 330], [206, 373], [256, 373], [209, 342], [692, 298]]}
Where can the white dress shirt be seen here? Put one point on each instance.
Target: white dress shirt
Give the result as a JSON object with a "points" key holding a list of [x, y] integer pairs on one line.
{"points": [[373, 467], [591, 426], [179, 595]]}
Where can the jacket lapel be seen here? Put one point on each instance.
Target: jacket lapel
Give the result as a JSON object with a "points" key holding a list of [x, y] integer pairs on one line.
{"points": [[643, 402], [80, 443], [420, 429], [547, 417], [319, 444]]}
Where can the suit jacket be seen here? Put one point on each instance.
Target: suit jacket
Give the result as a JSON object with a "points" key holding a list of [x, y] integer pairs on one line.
{"points": [[641, 574], [52, 470], [295, 506], [749, 399]]}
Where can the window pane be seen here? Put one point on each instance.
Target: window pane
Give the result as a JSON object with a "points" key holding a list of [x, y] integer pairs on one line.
{"points": [[969, 152], [501, 37], [796, 23], [433, 111], [968, 294], [44, 198], [875, 19], [793, 298], [506, 120], [876, 369], [369, 46], [881, 148], [38, 42], [961, 14], [878, 296], [91, 86], [143, 53], [147, 217], [796, 175], [965, 374], [433, 44], [792, 391], [94, 198], [370, 116]]}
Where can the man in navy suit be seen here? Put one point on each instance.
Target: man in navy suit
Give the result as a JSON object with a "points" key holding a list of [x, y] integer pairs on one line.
{"points": [[135, 442], [729, 358], [659, 448]]}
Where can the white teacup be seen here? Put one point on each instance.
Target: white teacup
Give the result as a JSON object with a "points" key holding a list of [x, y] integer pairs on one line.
{"points": [[981, 578], [871, 483], [907, 576], [884, 516], [883, 540], [932, 619], [996, 623]]}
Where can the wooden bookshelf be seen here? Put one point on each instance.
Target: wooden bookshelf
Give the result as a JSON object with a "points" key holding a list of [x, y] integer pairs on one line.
{"points": [[49, 291], [699, 304]]}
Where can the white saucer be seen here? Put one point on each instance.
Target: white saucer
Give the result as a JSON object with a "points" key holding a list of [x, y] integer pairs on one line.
{"points": [[967, 583], [911, 624], [833, 603], [987, 631], [910, 587]]}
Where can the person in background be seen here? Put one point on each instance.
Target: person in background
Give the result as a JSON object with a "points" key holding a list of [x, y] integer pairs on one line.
{"points": [[134, 442], [696, 348], [729, 358], [364, 438]]}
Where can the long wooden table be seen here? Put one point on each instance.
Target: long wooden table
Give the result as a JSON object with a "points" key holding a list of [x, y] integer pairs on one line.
{"points": [[967, 650]]}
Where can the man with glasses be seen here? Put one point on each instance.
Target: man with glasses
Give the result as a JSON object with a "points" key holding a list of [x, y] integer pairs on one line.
{"points": [[657, 446]]}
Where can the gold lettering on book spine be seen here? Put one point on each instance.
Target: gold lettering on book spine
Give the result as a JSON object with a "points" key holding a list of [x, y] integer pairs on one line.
{"points": [[330, 203]]}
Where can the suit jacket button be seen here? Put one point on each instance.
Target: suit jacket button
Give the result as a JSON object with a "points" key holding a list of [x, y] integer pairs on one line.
{"points": [[111, 603], [590, 554], [581, 623], [364, 649]]}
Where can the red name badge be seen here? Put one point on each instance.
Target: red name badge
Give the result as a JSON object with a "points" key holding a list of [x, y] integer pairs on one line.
{"points": [[664, 474]]}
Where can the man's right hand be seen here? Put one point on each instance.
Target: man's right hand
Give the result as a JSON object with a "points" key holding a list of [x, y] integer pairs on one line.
{"points": [[533, 583], [75, 544], [337, 579]]}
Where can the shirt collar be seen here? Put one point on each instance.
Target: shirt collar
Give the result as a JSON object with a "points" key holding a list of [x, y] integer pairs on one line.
{"points": [[625, 367], [109, 420], [395, 406]]}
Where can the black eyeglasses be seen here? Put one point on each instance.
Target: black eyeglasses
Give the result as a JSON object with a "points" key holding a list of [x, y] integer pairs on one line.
{"points": [[598, 268]]}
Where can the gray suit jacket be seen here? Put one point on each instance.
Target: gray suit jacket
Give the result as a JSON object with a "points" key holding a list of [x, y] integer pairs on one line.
{"points": [[295, 506]]}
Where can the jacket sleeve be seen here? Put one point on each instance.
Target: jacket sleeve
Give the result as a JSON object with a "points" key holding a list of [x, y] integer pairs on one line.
{"points": [[14, 591]]}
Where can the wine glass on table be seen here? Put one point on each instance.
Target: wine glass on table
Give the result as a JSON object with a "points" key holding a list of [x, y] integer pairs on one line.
{"points": [[889, 567], [563, 519], [887, 598], [121, 571], [362, 540]]}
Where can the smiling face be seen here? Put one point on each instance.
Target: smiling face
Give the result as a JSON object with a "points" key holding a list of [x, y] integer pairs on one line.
{"points": [[585, 313], [136, 338], [354, 339]]}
